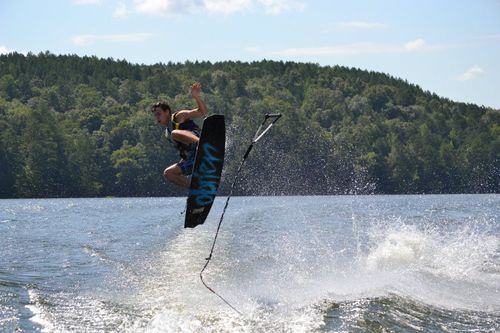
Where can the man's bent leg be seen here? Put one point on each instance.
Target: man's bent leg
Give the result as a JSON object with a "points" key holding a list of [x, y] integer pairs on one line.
{"points": [[174, 174], [183, 136]]}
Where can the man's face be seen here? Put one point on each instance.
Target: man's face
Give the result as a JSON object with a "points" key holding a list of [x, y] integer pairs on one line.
{"points": [[161, 116]]}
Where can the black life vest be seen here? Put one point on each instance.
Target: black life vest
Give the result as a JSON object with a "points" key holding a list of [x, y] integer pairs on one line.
{"points": [[185, 150]]}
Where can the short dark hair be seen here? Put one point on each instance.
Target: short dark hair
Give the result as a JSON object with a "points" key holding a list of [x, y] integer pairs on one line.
{"points": [[162, 105]]}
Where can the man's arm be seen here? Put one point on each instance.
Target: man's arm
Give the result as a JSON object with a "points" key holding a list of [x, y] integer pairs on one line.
{"points": [[201, 111]]}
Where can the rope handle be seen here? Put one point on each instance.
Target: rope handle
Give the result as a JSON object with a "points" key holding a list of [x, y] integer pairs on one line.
{"points": [[273, 115], [259, 134]]}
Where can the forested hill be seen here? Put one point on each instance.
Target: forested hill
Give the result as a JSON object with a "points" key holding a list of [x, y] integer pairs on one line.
{"points": [[81, 126]]}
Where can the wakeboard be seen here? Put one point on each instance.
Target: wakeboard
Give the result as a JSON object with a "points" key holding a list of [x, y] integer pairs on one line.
{"points": [[207, 171]]}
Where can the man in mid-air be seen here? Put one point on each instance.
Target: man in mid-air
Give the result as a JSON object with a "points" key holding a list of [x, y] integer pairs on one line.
{"points": [[183, 133]]}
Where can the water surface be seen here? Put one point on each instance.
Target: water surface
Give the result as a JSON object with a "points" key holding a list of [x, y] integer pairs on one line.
{"points": [[289, 264]]}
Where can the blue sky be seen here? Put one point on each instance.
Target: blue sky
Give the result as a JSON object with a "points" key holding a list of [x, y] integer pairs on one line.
{"points": [[451, 48]]}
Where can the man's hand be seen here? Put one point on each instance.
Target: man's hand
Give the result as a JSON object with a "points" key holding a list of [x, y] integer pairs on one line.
{"points": [[196, 90], [201, 111]]}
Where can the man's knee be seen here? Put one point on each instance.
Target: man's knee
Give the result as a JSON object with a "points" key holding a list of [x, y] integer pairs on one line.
{"points": [[172, 172], [184, 136], [178, 135]]}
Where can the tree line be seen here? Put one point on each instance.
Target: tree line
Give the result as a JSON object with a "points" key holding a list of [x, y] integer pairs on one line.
{"points": [[75, 126]]}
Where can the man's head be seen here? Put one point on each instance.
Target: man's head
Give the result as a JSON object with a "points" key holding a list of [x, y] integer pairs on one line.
{"points": [[162, 112]]}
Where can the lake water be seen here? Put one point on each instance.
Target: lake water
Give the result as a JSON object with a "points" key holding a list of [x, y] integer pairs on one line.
{"points": [[288, 264]]}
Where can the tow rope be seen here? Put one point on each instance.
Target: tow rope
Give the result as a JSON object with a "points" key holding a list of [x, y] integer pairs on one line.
{"points": [[273, 117]]}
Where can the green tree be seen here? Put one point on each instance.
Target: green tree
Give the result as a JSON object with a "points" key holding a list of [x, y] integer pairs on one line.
{"points": [[43, 167], [128, 162]]}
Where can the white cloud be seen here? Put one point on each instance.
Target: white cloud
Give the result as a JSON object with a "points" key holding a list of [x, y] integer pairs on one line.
{"points": [[84, 40], [121, 11], [360, 25], [252, 49], [87, 2], [356, 49], [341, 50], [470, 73], [5, 50], [227, 7], [415, 45], [166, 7], [276, 7]]}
